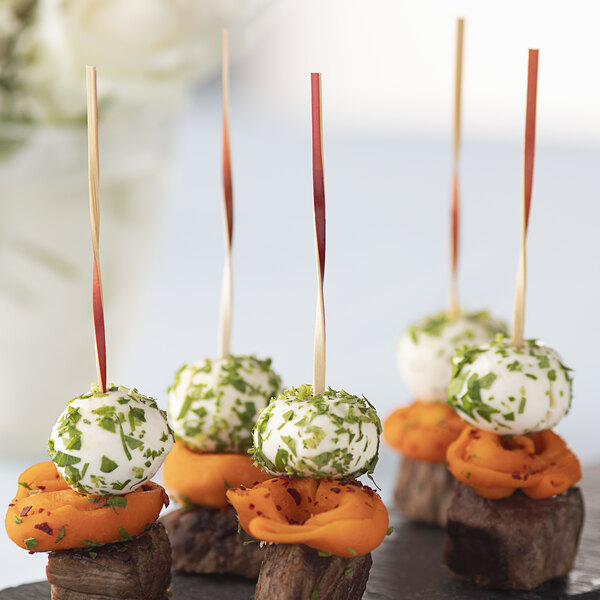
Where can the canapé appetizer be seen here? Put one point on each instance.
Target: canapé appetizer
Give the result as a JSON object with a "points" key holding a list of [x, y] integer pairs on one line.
{"points": [[320, 523], [213, 406], [515, 517], [422, 431], [93, 507]]}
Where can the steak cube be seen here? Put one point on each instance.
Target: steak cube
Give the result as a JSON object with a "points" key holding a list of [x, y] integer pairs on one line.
{"points": [[515, 543], [137, 569], [423, 491]]}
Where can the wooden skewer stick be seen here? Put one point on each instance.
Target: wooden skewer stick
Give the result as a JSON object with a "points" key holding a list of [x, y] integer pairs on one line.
{"points": [[94, 175], [226, 291], [519, 316], [455, 206], [319, 213]]}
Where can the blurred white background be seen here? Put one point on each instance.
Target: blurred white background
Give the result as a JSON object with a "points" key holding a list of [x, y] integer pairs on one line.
{"points": [[388, 71]]}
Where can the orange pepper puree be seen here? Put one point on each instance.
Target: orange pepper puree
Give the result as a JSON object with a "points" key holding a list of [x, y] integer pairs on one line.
{"points": [[423, 430], [540, 464], [345, 519], [51, 516], [202, 479]]}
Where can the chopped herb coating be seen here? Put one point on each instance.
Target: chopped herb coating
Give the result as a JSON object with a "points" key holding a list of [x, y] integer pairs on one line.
{"points": [[110, 443], [334, 435], [425, 350], [533, 383], [214, 404]]}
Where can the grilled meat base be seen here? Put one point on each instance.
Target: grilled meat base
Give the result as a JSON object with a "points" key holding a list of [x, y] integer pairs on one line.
{"points": [[138, 569], [515, 543], [423, 491], [206, 540], [295, 571]]}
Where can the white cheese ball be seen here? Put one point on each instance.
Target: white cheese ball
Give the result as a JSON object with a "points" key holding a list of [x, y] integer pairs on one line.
{"points": [[426, 349], [214, 404], [335, 435], [508, 391], [110, 443]]}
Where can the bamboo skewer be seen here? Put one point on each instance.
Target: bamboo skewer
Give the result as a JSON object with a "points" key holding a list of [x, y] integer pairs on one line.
{"points": [[227, 287], [455, 206], [319, 214], [519, 314], [94, 193]]}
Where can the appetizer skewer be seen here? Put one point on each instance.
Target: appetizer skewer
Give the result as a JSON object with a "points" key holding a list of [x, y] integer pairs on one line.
{"points": [[213, 406], [320, 522], [515, 517], [93, 506], [422, 431]]}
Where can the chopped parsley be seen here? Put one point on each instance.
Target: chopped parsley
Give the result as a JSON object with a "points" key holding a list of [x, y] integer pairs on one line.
{"points": [[30, 543]]}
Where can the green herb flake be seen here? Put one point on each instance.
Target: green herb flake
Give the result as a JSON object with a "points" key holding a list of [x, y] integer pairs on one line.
{"points": [[61, 534], [543, 362], [107, 465], [116, 501], [290, 442], [63, 460], [30, 543]]}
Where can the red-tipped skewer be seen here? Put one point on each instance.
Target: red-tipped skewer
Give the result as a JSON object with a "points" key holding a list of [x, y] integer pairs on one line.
{"points": [[94, 171], [455, 205], [227, 288], [319, 213], [519, 314]]}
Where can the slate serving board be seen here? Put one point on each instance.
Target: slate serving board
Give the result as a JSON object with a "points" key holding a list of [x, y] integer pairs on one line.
{"points": [[408, 566]]}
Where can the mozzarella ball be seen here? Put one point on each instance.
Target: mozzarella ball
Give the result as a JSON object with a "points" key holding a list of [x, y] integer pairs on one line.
{"points": [[504, 390], [111, 442], [426, 349], [214, 404], [334, 435]]}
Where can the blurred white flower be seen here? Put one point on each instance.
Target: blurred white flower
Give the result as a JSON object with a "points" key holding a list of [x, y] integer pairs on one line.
{"points": [[144, 50]]}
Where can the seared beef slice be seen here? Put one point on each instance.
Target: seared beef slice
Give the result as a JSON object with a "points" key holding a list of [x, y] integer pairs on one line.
{"points": [[514, 543], [134, 570], [206, 540], [423, 491], [297, 572]]}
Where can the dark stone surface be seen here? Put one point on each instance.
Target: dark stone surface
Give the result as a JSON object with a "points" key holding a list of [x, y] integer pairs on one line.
{"points": [[408, 565]]}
